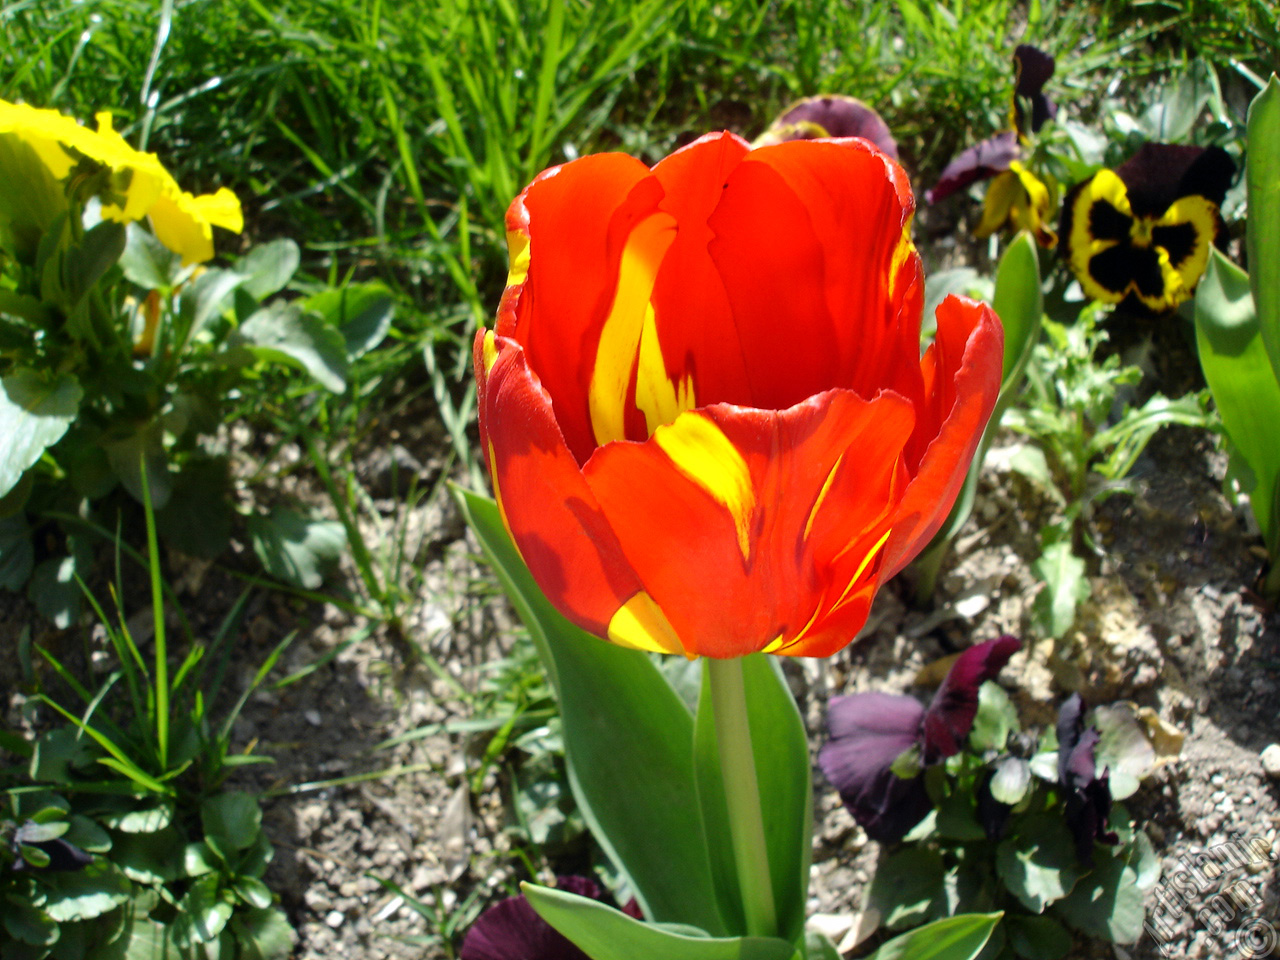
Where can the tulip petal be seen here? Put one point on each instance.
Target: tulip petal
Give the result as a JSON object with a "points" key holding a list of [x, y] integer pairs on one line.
{"points": [[817, 304], [716, 515], [962, 381], [546, 504], [583, 214]]}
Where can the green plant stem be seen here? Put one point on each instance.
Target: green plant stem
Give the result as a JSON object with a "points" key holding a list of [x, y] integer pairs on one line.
{"points": [[742, 794]]}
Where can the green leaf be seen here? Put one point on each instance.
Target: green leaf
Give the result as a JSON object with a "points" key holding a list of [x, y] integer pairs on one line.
{"points": [[1039, 864], [198, 517], [253, 892], [231, 821], [1063, 574], [1037, 938], [148, 262], [280, 332], [1011, 780], [150, 858], [294, 549], [268, 267], [955, 938], [1123, 749], [87, 893], [35, 412], [142, 449], [264, 934], [54, 591], [87, 261], [362, 311], [203, 912], [17, 555], [31, 200], [780, 747], [995, 720], [1107, 903], [628, 743], [1243, 383], [908, 886], [818, 947], [1262, 233], [604, 933], [1019, 303], [145, 819], [29, 925]]}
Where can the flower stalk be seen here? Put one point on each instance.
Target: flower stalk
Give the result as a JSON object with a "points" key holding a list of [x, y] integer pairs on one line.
{"points": [[742, 795]]}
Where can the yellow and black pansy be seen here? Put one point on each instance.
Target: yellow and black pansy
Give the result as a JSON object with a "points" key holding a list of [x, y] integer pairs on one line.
{"points": [[1139, 235]]}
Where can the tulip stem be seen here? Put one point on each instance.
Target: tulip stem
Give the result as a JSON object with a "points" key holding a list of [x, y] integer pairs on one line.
{"points": [[742, 795]]}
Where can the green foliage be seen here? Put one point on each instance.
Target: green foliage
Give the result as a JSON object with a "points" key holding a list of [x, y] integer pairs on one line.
{"points": [[1024, 860], [1085, 437], [118, 363], [117, 840]]}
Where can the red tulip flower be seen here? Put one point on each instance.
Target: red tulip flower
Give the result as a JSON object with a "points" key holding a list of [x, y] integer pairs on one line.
{"points": [[704, 407]]}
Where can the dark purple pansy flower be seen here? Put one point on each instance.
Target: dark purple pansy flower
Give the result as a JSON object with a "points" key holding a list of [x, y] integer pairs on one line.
{"points": [[869, 731], [512, 930], [1033, 68], [830, 115], [1087, 802]]}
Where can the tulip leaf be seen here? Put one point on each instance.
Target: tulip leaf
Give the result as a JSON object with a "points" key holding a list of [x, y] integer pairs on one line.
{"points": [[960, 937], [604, 933], [780, 749], [1243, 383], [1262, 236], [628, 741]]}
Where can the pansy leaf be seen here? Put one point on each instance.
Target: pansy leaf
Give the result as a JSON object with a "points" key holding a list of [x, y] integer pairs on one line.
{"points": [[362, 311], [908, 887], [149, 263], [1107, 903], [955, 938], [34, 414], [1243, 382], [1262, 234], [780, 749], [268, 267], [295, 549], [1038, 864], [604, 933], [628, 741], [283, 333], [1037, 938]]}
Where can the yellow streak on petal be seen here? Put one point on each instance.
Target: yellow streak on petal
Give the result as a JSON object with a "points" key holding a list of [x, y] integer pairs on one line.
{"points": [[777, 643], [617, 352], [657, 397], [901, 254], [862, 568], [702, 452], [518, 250], [489, 351], [640, 624], [497, 494], [822, 495]]}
